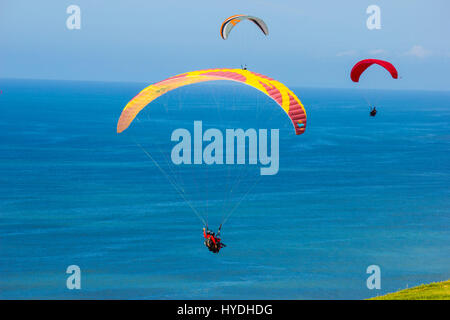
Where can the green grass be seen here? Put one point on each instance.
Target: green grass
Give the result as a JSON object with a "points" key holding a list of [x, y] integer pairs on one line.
{"points": [[432, 291]]}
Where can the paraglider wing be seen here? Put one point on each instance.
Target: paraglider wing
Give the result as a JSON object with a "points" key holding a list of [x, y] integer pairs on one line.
{"points": [[282, 95], [362, 65], [230, 22]]}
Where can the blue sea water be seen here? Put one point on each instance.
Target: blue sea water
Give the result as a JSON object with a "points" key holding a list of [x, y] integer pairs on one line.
{"points": [[353, 191]]}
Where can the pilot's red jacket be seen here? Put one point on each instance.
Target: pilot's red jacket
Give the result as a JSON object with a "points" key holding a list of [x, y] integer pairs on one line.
{"points": [[210, 236]]}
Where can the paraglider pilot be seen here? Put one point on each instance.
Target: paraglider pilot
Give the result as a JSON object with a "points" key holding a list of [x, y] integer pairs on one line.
{"points": [[213, 241]]}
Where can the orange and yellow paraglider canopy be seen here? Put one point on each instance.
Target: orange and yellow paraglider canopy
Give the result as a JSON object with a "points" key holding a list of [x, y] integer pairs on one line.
{"points": [[282, 95]]}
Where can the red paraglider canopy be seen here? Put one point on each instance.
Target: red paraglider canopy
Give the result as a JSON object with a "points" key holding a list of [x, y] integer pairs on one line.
{"points": [[362, 65]]}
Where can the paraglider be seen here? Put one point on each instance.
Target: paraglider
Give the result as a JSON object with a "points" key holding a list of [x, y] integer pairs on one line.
{"points": [[277, 91], [281, 94], [362, 65], [232, 21], [212, 241]]}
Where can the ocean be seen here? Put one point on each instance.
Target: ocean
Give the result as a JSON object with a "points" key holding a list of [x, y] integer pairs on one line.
{"points": [[351, 192]]}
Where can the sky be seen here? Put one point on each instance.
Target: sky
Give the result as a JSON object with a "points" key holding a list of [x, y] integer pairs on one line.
{"points": [[310, 43]]}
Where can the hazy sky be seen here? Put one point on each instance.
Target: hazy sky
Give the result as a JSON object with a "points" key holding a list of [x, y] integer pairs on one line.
{"points": [[311, 43]]}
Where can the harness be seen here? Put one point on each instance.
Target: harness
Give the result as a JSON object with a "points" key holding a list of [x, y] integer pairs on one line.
{"points": [[210, 237]]}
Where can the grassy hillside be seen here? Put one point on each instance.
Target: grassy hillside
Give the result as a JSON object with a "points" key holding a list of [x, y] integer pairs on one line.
{"points": [[432, 291]]}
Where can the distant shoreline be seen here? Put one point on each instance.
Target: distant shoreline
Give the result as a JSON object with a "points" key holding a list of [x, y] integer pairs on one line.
{"points": [[432, 291]]}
